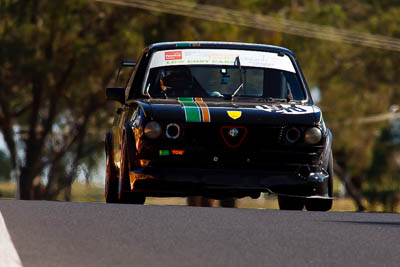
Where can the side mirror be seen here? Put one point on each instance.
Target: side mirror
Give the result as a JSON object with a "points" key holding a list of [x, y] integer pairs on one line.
{"points": [[116, 94]]}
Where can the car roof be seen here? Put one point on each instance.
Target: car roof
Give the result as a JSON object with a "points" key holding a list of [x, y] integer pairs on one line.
{"points": [[217, 45]]}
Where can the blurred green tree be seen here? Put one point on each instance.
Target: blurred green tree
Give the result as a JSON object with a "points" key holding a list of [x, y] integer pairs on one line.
{"points": [[56, 58], [5, 167], [382, 177]]}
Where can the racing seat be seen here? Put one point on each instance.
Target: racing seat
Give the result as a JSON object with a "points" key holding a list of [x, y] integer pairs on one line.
{"points": [[176, 81]]}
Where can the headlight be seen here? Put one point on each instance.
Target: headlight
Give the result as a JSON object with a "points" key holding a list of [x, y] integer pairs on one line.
{"points": [[152, 130], [313, 135]]}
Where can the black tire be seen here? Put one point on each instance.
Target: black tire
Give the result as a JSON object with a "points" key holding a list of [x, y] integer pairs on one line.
{"points": [[227, 202], [111, 179], [198, 201], [290, 203], [315, 204], [124, 188]]}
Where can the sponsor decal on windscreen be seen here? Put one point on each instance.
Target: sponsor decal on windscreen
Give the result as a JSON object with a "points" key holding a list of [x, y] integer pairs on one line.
{"points": [[173, 55]]}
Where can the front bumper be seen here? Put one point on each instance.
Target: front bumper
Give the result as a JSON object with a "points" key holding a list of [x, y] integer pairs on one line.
{"points": [[227, 182]]}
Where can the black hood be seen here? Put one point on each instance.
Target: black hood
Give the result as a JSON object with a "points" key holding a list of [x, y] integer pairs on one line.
{"points": [[235, 112]]}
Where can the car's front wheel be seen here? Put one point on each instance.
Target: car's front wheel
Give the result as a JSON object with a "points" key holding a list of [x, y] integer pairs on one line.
{"points": [[290, 203], [315, 204], [124, 189], [111, 181]]}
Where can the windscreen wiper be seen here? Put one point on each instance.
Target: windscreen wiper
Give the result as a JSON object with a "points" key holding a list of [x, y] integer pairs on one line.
{"points": [[237, 63], [273, 99]]}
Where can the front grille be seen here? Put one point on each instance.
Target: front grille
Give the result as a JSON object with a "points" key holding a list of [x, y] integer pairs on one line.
{"points": [[208, 135], [263, 148], [265, 136]]}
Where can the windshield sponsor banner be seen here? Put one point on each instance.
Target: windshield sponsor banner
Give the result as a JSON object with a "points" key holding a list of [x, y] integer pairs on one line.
{"points": [[247, 58]]}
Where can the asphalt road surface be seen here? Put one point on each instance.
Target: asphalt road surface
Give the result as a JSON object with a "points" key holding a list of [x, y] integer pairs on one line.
{"points": [[95, 234]]}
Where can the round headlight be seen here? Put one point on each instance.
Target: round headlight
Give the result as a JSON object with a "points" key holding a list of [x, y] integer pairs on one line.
{"points": [[152, 130], [313, 135]]}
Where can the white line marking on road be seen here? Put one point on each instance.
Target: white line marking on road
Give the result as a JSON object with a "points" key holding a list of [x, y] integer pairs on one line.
{"points": [[8, 254]]}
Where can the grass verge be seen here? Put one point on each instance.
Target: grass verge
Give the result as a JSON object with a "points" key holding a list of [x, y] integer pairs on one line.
{"points": [[91, 193]]}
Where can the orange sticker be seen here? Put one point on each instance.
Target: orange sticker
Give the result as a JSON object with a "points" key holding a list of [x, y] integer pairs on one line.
{"points": [[173, 55], [177, 152], [204, 109]]}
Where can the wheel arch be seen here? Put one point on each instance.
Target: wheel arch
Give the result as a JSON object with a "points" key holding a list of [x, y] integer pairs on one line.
{"points": [[128, 136], [108, 143], [327, 150], [109, 148]]}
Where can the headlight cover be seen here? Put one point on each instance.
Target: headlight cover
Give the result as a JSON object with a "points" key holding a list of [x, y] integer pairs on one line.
{"points": [[152, 130], [313, 135]]}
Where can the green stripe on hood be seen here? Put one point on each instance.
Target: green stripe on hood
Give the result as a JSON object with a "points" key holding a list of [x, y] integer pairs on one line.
{"points": [[192, 111]]}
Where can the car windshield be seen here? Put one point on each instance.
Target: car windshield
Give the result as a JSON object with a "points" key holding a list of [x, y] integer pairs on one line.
{"points": [[175, 77]]}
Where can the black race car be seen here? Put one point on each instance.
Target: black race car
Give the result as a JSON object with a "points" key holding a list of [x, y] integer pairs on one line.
{"points": [[218, 120]]}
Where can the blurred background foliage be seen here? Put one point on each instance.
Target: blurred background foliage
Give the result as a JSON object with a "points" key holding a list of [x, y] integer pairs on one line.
{"points": [[56, 58], [5, 167]]}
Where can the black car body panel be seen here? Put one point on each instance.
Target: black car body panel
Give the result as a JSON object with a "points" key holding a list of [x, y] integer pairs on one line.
{"points": [[251, 113], [222, 146]]}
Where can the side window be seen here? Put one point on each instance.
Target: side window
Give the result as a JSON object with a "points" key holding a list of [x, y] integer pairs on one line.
{"points": [[279, 83], [136, 79], [153, 83], [294, 85]]}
